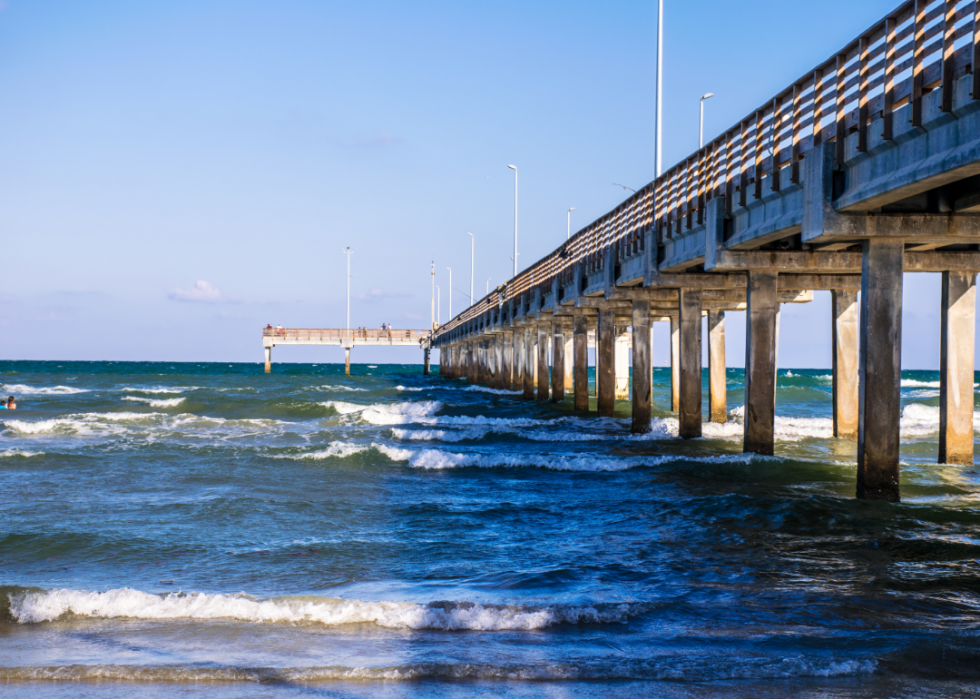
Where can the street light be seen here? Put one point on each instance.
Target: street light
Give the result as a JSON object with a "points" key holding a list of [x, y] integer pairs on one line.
{"points": [[450, 293], [472, 252], [628, 189], [433, 322], [660, 88], [514, 168], [488, 285], [438, 305], [569, 235], [706, 96], [348, 251]]}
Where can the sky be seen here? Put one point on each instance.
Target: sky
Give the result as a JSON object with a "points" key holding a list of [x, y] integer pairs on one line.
{"points": [[176, 175]]}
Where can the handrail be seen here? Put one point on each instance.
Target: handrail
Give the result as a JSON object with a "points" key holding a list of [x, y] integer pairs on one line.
{"points": [[923, 45], [341, 333]]}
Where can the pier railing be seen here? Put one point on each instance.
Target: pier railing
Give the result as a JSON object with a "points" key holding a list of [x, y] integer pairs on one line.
{"points": [[330, 334], [922, 46]]}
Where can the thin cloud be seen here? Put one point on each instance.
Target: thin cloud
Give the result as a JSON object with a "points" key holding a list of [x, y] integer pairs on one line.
{"points": [[202, 292], [376, 294]]}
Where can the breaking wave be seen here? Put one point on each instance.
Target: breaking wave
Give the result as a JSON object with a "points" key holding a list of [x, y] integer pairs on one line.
{"points": [[156, 402], [42, 391], [437, 459], [342, 450]]}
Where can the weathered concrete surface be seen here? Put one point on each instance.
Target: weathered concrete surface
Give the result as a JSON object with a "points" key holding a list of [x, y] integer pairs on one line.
{"points": [[760, 363], [958, 325], [557, 363], [881, 370], [580, 353], [530, 352], [268, 360], [606, 361], [347, 361], [507, 382], [623, 367], [717, 375], [498, 351], [675, 365], [520, 354], [844, 343], [543, 336], [690, 355], [569, 365], [642, 367], [425, 362]]}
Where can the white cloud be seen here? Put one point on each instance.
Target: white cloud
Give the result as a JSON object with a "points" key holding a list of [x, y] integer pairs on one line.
{"points": [[202, 292], [375, 294]]}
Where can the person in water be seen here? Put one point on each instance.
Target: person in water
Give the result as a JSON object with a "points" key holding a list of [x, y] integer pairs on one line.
{"points": [[11, 404]]}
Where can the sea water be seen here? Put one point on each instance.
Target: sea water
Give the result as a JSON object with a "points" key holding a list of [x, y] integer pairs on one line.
{"points": [[208, 530]]}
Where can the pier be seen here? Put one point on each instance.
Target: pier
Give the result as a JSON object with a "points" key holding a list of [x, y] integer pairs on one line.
{"points": [[346, 338], [865, 168]]}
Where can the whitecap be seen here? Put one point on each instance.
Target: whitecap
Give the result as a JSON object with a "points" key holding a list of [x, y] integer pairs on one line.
{"points": [[409, 388], [19, 452], [43, 390], [497, 391], [342, 450], [159, 389], [437, 459], [39, 607], [327, 387], [156, 403]]}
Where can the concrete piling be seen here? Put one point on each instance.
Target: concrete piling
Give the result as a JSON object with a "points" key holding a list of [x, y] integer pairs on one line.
{"points": [[268, 360], [347, 361], [543, 330], [605, 361], [569, 380], [580, 355], [622, 366], [507, 380], [557, 362], [717, 374], [958, 327], [642, 367], [675, 365], [760, 362], [690, 369], [425, 362], [880, 369], [845, 333], [531, 346]]}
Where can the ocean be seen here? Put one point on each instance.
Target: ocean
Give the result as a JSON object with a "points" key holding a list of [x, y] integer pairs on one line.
{"points": [[180, 529]]}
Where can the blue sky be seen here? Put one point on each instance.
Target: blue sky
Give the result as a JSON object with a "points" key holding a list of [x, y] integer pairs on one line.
{"points": [[175, 175]]}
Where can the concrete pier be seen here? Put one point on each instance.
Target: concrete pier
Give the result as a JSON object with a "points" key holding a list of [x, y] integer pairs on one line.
{"points": [[347, 361], [425, 362], [958, 327], [845, 334], [507, 379], [881, 369], [606, 362], [717, 370], [760, 362], [543, 331], [642, 367], [557, 362], [268, 360], [580, 355], [568, 363], [690, 356], [520, 354], [675, 364], [498, 354]]}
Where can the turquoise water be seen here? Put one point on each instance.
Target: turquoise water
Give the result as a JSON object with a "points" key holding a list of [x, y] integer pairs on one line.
{"points": [[210, 530]]}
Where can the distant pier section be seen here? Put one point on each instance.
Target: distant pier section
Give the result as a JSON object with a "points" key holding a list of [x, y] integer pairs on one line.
{"points": [[346, 338]]}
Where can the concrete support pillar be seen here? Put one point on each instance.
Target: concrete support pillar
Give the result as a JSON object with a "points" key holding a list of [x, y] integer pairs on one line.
{"points": [[580, 355], [518, 359], [690, 351], [606, 362], [557, 362], [268, 360], [675, 365], [760, 362], [642, 367], [347, 361], [530, 345], [622, 367], [498, 360], [569, 364], [717, 375], [845, 332], [880, 369], [958, 326], [507, 379], [543, 390], [425, 361], [473, 362]]}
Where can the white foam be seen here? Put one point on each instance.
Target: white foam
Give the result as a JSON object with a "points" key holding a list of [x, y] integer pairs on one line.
{"points": [[82, 424], [409, 388], [343, 407], [372, 366], [342, 450], [439, 435], [919, 420], [436, 459], [156, 402], [785, 428], [19, 452], [340, 388], [23, 390], [159, 389], [498, 391], [913, 383], [37, 607], [400, 413]]}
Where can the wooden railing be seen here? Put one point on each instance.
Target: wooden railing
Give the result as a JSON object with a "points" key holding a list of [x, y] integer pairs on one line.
{"points": [[924, 45], [329, 334]]}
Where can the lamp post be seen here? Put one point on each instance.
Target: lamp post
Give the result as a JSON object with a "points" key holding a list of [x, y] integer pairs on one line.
{"points": [[569, 235], [706, 96], [438, 305], [472, 253], [514, 168], [488, 285], [660, 87], [433, 323], [450, 292], [348, 251]]}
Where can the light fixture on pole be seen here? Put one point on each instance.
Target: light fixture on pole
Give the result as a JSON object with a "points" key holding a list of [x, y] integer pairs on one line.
{"points": [[660, 88], [450, 292], [569, 235], [628, 189], [472, 253], [348, 251], [514, 168], [706, 96]]}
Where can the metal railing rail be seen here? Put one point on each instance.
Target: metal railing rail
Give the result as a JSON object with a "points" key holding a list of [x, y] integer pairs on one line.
{"points": [[328, 334], [922, 46]]}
